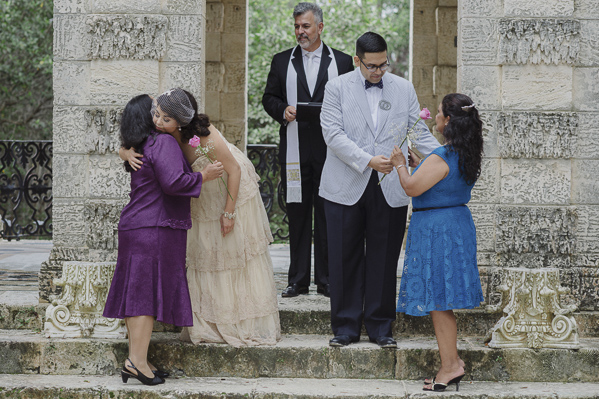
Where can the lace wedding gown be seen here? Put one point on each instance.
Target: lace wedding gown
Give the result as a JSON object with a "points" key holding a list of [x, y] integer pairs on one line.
{"points": [[230, 278]]}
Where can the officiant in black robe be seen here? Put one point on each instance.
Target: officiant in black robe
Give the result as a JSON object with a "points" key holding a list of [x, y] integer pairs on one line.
{"points": [[299, 75]]}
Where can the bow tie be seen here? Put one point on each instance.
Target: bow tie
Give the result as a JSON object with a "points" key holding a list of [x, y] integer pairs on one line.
{"points": [[370, 84]]}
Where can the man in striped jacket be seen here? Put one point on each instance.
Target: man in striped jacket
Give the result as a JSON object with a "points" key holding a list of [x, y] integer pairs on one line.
{"points": [[364, 114]]}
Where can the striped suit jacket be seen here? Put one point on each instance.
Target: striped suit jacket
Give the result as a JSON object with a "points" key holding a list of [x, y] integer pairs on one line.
{"points": [[351, 140]]}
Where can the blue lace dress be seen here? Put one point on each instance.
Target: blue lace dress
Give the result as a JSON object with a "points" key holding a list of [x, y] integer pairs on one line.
{"points": [[440, 270]]}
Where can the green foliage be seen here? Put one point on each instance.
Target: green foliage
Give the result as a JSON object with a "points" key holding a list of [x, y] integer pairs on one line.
{"points": [[271, 31], [26, 69]]}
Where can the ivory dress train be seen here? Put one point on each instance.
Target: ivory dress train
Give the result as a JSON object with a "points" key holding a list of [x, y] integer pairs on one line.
{"points": [[230, 278]]}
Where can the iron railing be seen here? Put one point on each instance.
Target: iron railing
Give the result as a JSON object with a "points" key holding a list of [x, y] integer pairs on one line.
{"points": [[25, 188], [265, 158]]}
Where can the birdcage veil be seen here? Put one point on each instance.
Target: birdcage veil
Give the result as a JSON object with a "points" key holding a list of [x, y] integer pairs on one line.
{"points": [[176, 104]]}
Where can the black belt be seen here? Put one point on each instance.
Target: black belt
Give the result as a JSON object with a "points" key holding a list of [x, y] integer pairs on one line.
{"points": [[435, 207]]}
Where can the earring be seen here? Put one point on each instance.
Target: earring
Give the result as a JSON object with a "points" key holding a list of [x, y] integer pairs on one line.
{"points": [[180, 127], [445, 125]]}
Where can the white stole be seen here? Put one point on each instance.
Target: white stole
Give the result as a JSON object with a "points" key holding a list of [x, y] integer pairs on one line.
{"points": [[293, 173]]}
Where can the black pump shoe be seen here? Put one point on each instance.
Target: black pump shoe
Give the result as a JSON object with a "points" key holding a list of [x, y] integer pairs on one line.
{"points": [[161, 374], [125, 375], [440, 387]]}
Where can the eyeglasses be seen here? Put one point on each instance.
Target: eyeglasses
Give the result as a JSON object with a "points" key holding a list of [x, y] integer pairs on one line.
{"points": [[372, 68]]}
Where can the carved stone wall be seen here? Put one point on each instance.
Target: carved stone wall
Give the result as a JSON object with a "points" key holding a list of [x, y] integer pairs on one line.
{"points": [[433, 51], [532, 68], [536, 41], [537, 134], [226, 88], [127, 37], [105, 52]]}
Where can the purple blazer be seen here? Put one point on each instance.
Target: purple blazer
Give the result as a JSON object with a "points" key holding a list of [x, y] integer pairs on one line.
{"points": [[161, 189]]}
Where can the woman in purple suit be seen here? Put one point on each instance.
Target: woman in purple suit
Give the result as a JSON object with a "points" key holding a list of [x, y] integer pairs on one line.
{"points": [[149, 280]]}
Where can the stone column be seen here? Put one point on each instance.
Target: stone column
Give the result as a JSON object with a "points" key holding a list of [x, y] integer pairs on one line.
{"points": [[226, 68], [433, 51], [532, 68], [105, 52]]}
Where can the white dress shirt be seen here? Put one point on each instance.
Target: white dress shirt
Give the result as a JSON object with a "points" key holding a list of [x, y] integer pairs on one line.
{"points": [[374, 96], [311, 66]]}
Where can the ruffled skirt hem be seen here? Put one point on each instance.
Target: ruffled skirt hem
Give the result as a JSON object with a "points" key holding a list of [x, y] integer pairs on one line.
{"points": [[265, 330]]}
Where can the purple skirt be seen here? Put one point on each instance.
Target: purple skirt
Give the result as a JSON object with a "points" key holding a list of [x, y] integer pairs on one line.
{"points": [[150, 277]]}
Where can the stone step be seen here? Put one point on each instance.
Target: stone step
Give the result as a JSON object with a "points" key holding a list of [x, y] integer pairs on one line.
{"points": [[296, 356], [104, 387], [307, 314]]}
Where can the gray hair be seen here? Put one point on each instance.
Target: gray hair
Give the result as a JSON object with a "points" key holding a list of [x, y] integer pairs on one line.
{"points": [[302, 8]]}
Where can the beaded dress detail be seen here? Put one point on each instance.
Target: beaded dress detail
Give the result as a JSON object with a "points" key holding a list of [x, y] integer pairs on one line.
{"points": [[440, 270], [230, 278]]}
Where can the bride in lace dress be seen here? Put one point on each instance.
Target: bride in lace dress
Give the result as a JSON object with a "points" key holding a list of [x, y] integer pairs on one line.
{"points": [[229, 269]]}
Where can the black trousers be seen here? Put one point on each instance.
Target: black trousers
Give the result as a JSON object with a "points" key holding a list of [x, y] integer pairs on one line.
{"points": [[364, 246], [300, 229]]}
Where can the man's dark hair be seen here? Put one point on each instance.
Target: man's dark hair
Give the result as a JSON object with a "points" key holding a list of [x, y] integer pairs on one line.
{"points": [[370, 42]]}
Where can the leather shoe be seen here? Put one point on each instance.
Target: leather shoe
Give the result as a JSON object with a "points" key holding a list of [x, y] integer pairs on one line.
{"points": [[341, 340], [324, 290], [294, 290], [385, 342]]}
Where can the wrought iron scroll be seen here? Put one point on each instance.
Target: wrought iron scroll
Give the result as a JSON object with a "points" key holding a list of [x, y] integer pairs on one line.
{"points": [[26, 188], [265, 158]]}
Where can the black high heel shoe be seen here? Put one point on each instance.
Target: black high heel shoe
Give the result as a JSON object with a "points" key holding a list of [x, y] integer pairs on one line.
{"points": [[125, 375], [161, 374], [440, 387]]}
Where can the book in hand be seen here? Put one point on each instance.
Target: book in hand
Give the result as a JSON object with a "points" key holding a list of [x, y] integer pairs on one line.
{"points": [[308, 112]]}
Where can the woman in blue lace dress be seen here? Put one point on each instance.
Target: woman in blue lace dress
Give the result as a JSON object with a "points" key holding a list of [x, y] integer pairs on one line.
{"points": [[440, 271]]}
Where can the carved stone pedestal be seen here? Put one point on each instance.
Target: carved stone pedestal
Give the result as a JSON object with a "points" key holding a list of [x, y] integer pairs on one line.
{"points": [[532, 314], [78, 311]]}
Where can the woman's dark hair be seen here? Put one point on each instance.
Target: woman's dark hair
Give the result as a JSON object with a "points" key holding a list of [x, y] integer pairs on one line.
{"points": [[136, 124], [198, 125], [370, 42], [464, 133]]}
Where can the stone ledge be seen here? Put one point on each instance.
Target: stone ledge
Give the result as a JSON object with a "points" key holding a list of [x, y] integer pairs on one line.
{"points": [[100, 387], [22, 316], [267, 388], [310, 315], [296, 356]]}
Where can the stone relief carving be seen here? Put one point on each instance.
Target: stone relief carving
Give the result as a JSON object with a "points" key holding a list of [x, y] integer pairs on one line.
{"points": [[101, 222], [584, 286], [532, 314], [215, 17], [128, 37], [536, 41], [541, 230], [78, 310], [537, 134], [103, 135], [512, 260]]}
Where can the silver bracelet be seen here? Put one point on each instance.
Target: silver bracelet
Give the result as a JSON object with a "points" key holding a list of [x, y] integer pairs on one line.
{"points": [[230, 216], [399, 166]]}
